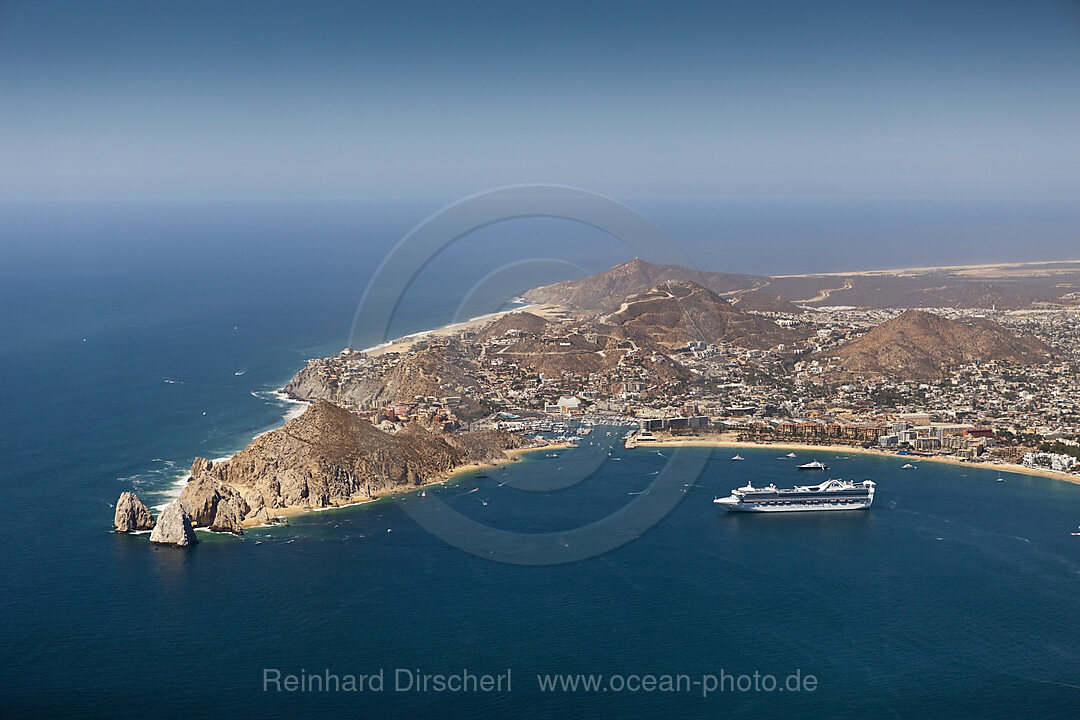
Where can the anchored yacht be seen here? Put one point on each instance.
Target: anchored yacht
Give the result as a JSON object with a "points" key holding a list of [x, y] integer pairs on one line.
{"points": [[816, 465]]}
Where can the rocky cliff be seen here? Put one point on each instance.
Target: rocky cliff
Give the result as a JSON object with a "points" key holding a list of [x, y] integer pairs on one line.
{"points": [[211, 503], [328, 456], [131, 514]]}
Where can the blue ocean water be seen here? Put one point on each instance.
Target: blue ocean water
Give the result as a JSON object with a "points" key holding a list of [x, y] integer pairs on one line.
{"points": [[124, 331]]}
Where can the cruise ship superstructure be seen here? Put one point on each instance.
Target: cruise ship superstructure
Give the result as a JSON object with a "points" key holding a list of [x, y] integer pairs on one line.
{"points": [[830, 495]]}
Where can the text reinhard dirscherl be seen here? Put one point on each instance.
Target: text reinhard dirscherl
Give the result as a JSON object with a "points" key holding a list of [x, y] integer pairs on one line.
{"points": [[410, 680]]}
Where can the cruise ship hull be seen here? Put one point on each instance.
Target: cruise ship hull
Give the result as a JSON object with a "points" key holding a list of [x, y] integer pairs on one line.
{"points": [[830, 495], [753, 508]]}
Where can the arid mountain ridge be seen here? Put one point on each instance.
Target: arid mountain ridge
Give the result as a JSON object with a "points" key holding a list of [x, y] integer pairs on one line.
{"points": [[1015, 286], [654, 321], [332, 456], [920, 345]]}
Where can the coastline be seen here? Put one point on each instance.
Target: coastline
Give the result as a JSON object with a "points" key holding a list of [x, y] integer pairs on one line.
{"points": [[445, 478], [1017, 268], [720, 442], [547, 311], [294, 407]]}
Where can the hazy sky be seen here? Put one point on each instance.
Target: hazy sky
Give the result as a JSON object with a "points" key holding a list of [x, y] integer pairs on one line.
{"points": [[150, 100]]}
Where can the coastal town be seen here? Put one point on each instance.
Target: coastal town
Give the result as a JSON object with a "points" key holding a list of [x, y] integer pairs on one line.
{"points": [[519, 372], [665, 355]]}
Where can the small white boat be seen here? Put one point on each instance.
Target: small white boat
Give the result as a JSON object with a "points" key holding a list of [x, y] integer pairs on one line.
{"points": [[909, 466], [552, 455], [1001, 479], [791, 455], [239, 372], [815, 465], [738, 458]]}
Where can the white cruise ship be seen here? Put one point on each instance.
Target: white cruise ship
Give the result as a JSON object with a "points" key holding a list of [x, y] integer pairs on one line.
{"points": [[830, 495]]}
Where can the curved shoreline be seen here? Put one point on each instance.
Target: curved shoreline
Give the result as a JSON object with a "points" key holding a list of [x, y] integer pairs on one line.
{"points": [[405, 343], [701, 441], [292, 407], [446, 478]]}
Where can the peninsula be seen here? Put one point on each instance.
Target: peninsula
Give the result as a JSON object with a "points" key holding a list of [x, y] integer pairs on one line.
{"points": [[978, 364]]}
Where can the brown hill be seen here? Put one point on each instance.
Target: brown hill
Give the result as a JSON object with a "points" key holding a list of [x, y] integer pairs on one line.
{"points": [[919, 345], [758, 301], [675, 313], [561, 353], [328, 456], [523, 322], [604, 291], [436, 372], [588, 349]]}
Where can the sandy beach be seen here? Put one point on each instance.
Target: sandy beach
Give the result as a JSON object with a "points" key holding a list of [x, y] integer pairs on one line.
{"points": [[992, 270], [727, 441], [717, 441], [404, 344]]}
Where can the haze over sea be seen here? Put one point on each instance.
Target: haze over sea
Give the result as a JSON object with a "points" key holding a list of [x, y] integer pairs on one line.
{"points": [[138, 336]]}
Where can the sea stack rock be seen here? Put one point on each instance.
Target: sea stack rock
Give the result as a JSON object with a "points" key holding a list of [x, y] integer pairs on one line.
{"points": [[212, 504], [173, 527], [131, 514]]}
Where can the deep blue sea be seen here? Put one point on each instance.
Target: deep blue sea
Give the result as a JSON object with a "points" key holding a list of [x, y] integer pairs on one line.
{"points": [[138, 337]]}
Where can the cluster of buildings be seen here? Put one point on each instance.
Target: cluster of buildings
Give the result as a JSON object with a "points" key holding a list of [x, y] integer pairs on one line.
{"points": [[978, 411], [432, 411], [964, 441], [1050, 461]]}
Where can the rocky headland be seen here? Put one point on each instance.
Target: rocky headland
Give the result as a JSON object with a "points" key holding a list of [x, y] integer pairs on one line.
{"points": [[328, 457]]}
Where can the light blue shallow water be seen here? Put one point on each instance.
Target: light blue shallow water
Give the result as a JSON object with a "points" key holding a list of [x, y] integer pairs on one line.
{"points": [[955, 596]]}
